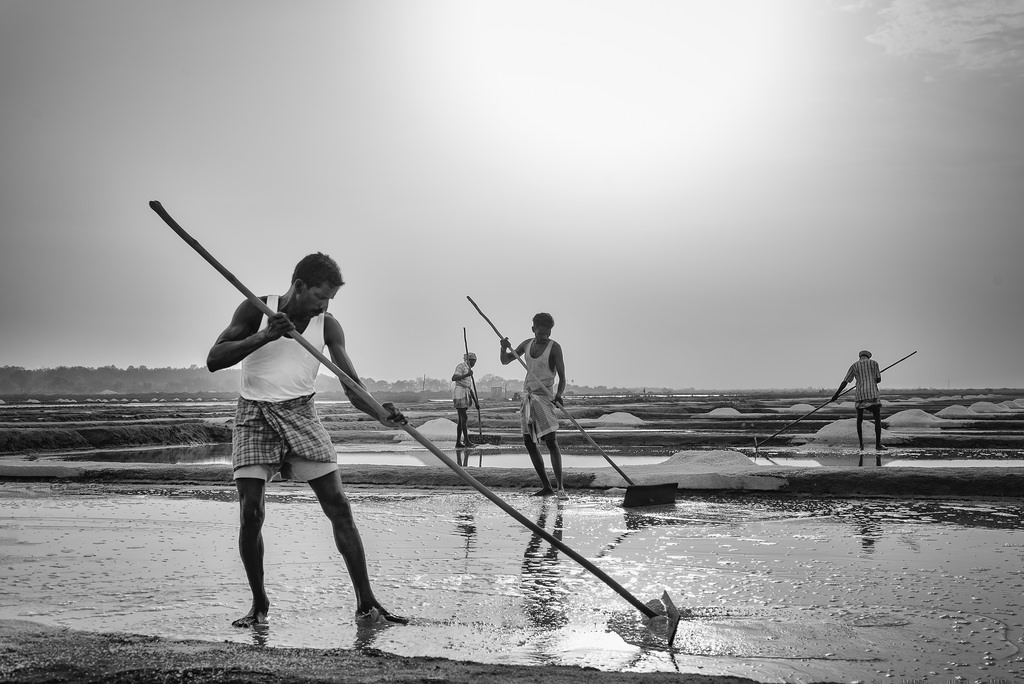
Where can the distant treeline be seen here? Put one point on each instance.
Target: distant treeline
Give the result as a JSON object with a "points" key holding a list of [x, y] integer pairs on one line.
{"points": [[80, 380], [140, 380]]}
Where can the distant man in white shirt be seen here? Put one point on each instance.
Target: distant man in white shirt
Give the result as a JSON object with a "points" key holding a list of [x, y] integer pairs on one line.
{"points": [[865, 372], [462, 396]]}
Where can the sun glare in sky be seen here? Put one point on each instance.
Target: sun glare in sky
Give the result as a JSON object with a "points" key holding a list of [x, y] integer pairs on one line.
{"points": [[710, 193]]}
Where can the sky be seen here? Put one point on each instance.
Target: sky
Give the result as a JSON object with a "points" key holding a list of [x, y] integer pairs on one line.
{"points": [[711, 193]]}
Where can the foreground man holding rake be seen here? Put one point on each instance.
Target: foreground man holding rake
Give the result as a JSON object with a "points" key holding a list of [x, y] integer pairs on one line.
{"points": [[276, 424]]}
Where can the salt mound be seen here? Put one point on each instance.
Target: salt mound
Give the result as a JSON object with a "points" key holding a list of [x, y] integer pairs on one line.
{"points": [[845, 432], [723, 411], [1012, 405], [704, 461], [987, 407], [1019, 402], [801, 408], [913, 418], [620, 418], [440, 429], [956, 411]]}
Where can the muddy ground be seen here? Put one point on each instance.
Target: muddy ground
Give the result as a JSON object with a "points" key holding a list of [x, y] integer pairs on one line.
{"points": [[32, 653]]}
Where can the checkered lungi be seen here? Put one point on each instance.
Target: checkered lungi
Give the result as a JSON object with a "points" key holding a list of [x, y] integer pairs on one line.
{"points": [[868, 403], [265, 431], [537, 415]]}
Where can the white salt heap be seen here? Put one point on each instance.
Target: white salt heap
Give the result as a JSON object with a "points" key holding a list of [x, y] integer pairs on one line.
{"points": [[913, 418], [845, 432], [956, 411], [439, 429], [723, 411], [620, 418], [707, 461], [801, 408], [987, 407]]}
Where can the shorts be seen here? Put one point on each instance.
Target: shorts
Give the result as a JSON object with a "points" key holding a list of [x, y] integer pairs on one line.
{"points": [[280, 436], [867, 403], [294, 468]]}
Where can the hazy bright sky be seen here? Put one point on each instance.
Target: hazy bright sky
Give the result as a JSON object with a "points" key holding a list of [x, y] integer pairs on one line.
{"points": [[714, 193]]}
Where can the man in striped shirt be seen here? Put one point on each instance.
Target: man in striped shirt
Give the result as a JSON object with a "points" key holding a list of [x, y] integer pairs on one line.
{"points": [[865, 372]]}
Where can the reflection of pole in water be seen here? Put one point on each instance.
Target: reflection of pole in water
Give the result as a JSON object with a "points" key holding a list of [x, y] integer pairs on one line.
{"points": [[465, 526], [869, 532], [462, 457], [542, 597]]}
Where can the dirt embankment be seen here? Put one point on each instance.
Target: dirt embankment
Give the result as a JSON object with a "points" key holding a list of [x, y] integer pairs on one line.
{"points": [[35, 440]]}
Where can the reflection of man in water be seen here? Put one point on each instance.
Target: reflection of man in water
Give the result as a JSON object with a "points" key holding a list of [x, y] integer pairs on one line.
{"points": [[541, 576], [865, 372]]}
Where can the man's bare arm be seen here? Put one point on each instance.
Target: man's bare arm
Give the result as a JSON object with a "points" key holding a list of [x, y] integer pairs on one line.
{"points": [[507, 355], [334, 338], [559, 367], [242, 336]]}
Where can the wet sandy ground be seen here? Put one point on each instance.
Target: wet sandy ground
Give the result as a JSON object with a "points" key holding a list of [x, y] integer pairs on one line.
{"points": [[776, 589]]}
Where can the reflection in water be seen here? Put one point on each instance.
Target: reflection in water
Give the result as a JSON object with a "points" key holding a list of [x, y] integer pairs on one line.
{"points": [[462, 457], [543, 595], [868, 531], [200, 454], [260, 635], [465, 526]]}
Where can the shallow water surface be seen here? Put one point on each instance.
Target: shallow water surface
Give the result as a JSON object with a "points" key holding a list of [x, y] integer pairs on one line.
{"points": [[406, 453], [775, 589]]}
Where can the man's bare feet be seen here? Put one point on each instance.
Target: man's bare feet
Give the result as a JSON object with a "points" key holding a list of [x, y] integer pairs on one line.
{"points": [[255, 616], [562, 494], [879, 447], [376, 614], [547, 491]]}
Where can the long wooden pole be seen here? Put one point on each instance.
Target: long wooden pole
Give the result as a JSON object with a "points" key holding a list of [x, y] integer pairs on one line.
{"points": [[382, 413], [476, 396]]}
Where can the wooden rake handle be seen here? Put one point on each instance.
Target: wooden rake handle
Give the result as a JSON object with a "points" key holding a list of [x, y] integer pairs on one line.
{"points": [[358, 389]]}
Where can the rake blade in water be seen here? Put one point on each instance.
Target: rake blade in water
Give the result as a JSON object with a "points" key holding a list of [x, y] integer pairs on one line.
{"points": [[673, 617], [650, 495]]}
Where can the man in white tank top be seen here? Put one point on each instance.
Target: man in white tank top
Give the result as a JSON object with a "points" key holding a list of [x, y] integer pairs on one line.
{"points": [[276, 425], [543, 358]]}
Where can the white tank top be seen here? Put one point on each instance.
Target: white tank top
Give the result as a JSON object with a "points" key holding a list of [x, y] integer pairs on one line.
{"points": [[540, 368], [282, 369]]}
